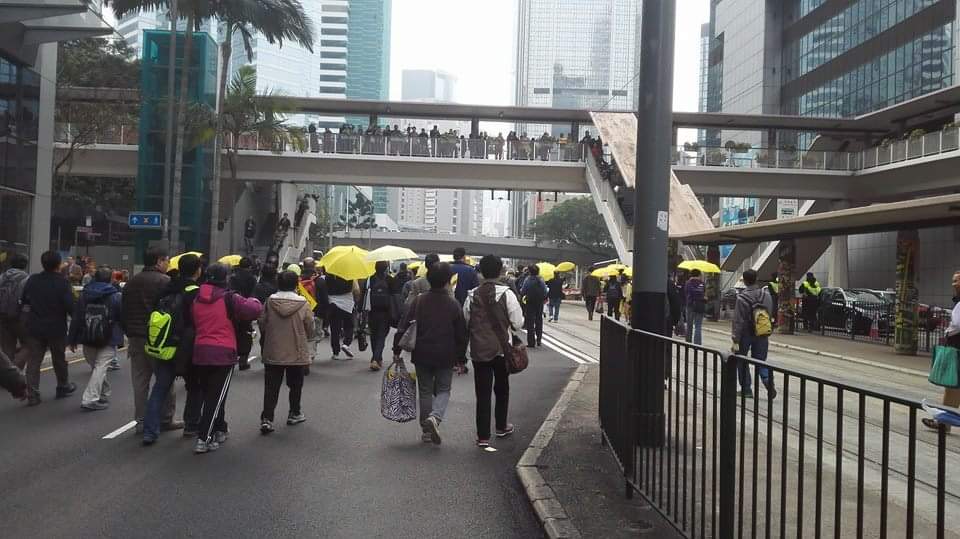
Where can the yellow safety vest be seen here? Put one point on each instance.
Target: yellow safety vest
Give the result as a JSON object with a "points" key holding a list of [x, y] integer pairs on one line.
{"points": [[813, 290], [774, 287]]}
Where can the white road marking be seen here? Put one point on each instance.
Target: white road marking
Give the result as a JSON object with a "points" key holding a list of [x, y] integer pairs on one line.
{"points": [[569, 349], [120, 431], [562, 352]]}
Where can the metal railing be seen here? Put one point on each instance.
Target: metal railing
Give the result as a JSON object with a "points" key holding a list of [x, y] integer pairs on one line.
{"points": [[355, 144], [822, 458], [938, 142]]}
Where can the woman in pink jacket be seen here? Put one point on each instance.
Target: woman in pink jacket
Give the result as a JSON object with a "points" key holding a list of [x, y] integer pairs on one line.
{"points": [[215, 312]]}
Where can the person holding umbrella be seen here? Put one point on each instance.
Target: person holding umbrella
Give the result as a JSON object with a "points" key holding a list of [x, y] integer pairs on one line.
{"points": [[344, 266]]}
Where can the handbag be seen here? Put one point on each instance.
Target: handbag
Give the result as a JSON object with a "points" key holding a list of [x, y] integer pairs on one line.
{"points": [[515, 353], [408, 341], [945, 371], [398, 394]]}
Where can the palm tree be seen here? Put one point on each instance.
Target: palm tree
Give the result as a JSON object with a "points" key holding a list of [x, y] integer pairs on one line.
{"points": [[275, 21]]}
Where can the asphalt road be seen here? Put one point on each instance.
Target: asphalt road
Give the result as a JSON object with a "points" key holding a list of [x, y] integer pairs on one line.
{"points": [[346, 472]]}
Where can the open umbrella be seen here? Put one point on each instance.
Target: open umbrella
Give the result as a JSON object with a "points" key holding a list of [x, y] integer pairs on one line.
{"points": [[611, 270], [350, 264], [566, 266], [389, 253], [547, 270], [702, 265], [175, 261], [230, 260]]}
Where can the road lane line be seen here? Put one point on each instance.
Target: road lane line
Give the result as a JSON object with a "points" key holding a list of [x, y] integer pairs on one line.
{"points": [[566, 347], [120, 431], [562, 352]]}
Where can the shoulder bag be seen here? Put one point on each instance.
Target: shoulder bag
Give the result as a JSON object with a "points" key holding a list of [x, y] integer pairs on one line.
{"points": [[408, 342], [514, 351], [945, 371]]}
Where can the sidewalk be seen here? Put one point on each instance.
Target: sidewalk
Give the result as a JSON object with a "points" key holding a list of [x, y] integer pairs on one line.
{"points": [[875, 355], [585, 478]]}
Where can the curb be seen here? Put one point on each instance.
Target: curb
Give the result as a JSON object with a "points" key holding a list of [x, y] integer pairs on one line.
{"points": [[851, 359], [556, 524]]}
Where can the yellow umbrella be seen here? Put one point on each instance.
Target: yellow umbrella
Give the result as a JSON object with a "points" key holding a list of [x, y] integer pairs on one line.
{"points": [[175, 261], [702, 265], [389, 253], [547, 270], [350, 264], [339, 250], [230, 260], [566, 266], [611, 270]]}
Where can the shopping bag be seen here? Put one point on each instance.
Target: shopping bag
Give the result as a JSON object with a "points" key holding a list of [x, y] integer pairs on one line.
{"points": [[398, 394], [945, 371]]}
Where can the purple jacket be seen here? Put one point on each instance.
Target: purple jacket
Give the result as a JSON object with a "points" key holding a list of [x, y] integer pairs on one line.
{"points": [[693, 292], [216, 337]]}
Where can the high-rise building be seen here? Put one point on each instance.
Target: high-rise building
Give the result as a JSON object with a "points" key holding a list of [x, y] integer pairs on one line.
{"points": [[132, 25], [578, 54], [368, 49], [428, 85], [834, 59]]}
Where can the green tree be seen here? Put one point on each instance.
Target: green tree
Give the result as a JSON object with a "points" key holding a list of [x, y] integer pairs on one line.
{"points": [[574, 222], [359, 216]]}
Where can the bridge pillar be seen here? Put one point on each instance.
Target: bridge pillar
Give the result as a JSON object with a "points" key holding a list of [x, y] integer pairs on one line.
{"points": [[374, 119], [474, 127], [575, 131], [839, 255], [787, 258], [712, 292]]}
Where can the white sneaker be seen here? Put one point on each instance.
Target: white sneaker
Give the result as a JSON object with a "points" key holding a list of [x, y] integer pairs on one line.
{"points": [[433, 428], [346, 351]]}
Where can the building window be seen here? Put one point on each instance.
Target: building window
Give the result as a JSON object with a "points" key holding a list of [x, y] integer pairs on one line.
{"points": [[15, 211]]}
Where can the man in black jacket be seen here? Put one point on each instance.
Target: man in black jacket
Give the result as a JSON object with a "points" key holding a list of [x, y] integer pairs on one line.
{"points": [[243, 282], [47, 301]]}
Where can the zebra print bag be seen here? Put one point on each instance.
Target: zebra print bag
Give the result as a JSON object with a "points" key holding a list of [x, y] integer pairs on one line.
{"points": [[398, 394]]}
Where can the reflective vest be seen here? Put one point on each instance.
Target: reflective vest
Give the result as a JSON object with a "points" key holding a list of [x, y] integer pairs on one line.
{"points": [[813, 290], [774, 287]]}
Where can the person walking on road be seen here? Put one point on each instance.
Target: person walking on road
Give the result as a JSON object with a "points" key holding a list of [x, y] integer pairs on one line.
{"points": [[695, 303], [613, 291], [533, 292], [590, 290], [287, 326], [11, 379], [179, 294], [249, 234], [11, 290], [810, 294], [96, 325], [555, 297], [951, 396], [750, 304], [46, 302], [139, 299], [340, 315], [380, 292], [244, 282], [491, 312], [466, 275], [215, 313], [441, 347]]}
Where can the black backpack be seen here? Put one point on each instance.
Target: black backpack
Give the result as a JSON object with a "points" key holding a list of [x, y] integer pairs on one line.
{"points": [[379, 294], [11, 289], [537, 293], [97, 323]]}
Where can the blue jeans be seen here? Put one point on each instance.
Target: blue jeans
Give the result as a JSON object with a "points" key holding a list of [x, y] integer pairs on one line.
{"points": [[695, 327], [164, 372], [553, 308], [757, 347]]}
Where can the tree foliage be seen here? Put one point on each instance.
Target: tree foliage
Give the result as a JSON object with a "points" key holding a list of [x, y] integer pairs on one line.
{"points": [[574, 222], [360, 214]]}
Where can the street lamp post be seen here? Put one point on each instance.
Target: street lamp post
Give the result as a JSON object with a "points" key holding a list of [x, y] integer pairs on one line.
{"points": [[651, 209]]}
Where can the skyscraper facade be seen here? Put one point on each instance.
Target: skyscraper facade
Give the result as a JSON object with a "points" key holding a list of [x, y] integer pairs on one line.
{"points": [[580, 54], [368, 50]]}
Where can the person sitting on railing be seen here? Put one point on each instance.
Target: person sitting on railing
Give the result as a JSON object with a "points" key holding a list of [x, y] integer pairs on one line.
{"points": [[314, 139]]}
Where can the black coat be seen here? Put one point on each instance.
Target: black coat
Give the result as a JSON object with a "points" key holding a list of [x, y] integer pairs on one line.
{"points": [[47, 301], [441, 330]]}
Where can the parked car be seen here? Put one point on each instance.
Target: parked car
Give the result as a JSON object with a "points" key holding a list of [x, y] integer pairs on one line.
{"points": [[932, 318], [854, 310]]}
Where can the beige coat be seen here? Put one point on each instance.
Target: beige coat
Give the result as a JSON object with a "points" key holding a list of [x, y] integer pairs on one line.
{"points": [[287, 325]]}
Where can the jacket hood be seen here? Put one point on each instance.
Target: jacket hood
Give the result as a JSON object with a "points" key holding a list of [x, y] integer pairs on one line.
{"points": [[753, 294], [95, 291], [286, 304], [210, 293], [12, 272]]}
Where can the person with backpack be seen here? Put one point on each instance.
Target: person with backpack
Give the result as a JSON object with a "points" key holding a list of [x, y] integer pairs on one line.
{"points": [[96, 325], [613, 290], [170, 338], [340, 315], [590, 290], [752, 326], [379, 305], [287, 325], [139, 297], [534, 292], [466, 275], [695, 302], [11, 289], [441, 345], [243, 282], [493, 317], [46, 302], [215, 313], [403, 276]]}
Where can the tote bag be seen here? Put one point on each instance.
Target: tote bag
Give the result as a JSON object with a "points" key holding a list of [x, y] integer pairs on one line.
{"points": [[945, 371]]}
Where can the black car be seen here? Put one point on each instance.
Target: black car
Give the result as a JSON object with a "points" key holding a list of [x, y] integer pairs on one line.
{"points": [[854, 311]]}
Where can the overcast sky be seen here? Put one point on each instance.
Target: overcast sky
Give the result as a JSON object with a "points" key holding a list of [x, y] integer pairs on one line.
{"points": [[474, 40]]}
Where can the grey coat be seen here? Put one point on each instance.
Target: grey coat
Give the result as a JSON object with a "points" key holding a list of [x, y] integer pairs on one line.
{"points": [[743, 314]]}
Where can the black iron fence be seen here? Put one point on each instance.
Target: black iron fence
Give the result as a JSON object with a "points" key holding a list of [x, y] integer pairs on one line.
{"points": [[822, 458], [874, 322]]}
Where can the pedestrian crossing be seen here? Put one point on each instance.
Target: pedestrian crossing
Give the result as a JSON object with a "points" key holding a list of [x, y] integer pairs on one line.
{"points": [[568, 351]]}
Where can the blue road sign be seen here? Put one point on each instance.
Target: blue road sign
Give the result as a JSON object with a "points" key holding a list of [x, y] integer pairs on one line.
{"points": [[144, 219]]}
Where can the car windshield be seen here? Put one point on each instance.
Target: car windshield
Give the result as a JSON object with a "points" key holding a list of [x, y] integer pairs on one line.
{"points": [[862, 296]]}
